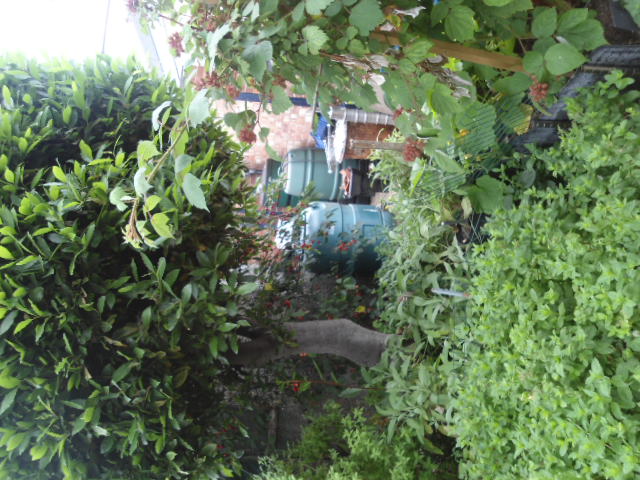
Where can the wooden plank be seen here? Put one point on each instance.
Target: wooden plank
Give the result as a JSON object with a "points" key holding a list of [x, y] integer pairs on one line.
{"points": [[462, 52]]}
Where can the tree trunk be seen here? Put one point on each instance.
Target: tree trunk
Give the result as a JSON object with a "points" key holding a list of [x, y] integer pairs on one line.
{"points": [[340, 337]]}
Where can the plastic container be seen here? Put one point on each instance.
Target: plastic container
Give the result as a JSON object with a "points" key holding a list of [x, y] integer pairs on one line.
{"points": [[307, 165], [344, 236]]}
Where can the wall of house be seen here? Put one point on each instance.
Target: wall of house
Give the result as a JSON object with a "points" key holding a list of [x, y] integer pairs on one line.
{"points": [[289, 130]]}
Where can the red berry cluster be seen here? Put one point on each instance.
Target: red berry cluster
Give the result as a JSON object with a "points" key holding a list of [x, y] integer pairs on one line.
{"points": [[413, 148], [205, 79], [247, 135], [345, 246], [175, 41], [538, 91]]}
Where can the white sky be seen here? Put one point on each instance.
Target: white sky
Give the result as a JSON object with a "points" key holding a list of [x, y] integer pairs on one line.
{"points": [[66, 28], [75, 29]]}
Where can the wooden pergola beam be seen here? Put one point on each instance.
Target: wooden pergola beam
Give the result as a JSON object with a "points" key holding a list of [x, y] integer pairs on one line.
{"points": [[468, 54]]}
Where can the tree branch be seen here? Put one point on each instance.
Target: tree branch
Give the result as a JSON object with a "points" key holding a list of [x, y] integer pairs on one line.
{"points": [[340, 337]]}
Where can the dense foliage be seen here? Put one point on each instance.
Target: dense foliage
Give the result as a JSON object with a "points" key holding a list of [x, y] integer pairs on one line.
{"points": [[338, 51], [51, 112], [549, 375], [524, 348], [111, 357], [336, 446]]}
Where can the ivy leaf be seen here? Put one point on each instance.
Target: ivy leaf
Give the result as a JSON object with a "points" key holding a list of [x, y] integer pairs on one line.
{"points": [[146, 150], [315, 7], [140, 182], [366, 16], [258, 56], [191, 186], [459, 24], [199, 109], [281, 101], [545, 22], [562, 58], [315, 38]]}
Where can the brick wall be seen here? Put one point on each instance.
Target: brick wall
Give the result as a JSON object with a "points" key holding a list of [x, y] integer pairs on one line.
{"points": [[288, 131]]}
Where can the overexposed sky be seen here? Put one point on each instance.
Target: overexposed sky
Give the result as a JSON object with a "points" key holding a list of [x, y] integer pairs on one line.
{"points": [[74, 29]]}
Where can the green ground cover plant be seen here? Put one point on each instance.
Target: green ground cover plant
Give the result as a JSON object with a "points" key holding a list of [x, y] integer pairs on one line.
{"points": [[349, 446], [549, 385]]}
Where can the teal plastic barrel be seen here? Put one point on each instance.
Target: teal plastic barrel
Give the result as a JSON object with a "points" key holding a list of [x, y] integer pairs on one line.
{"points": [[306, 165], [344, 236]]}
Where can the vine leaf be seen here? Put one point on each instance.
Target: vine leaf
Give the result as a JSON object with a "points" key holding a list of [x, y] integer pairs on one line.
{"points": [[562, 58], [459, 24], [315, 7], [258, 56], [366, 16], [315, 38]]}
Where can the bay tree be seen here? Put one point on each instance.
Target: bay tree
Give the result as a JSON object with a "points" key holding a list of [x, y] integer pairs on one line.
{"points": [[125, 310]]}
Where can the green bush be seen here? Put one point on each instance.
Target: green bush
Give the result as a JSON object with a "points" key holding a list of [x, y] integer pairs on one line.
{"points": [[111, 357], [550, 379], [49, 109], [352, 447]]}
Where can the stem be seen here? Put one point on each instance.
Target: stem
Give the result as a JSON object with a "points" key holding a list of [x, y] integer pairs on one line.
{"points": [[154, 172]]}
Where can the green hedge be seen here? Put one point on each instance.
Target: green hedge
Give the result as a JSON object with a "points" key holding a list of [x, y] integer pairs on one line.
{"points": [[111, 357], [550, 381]]}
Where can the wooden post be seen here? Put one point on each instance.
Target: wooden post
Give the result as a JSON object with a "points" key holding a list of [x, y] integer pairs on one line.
{"points": [[468, 54]]}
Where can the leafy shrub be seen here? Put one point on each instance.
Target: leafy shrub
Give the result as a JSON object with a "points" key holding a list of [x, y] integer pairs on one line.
{"points": [[549, 385], [338, 447], [111, 357], [49, 109]]}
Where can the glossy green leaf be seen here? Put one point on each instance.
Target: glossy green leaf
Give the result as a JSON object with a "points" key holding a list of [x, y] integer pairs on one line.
{"points": [[146, 150], [192, 188]]}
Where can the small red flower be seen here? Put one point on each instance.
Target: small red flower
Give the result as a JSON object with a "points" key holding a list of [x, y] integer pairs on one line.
{"points": [[287, 303], [296, 386]]}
